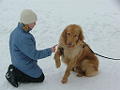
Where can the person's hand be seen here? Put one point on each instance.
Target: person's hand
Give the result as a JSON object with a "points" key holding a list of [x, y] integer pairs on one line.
{"points": [[54, 48]]}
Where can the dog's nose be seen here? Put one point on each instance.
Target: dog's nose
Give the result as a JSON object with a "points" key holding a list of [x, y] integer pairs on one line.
{"points": [[70, 44]]}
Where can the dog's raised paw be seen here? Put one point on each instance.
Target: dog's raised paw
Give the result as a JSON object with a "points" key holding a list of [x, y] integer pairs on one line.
{"points": [[58, 65]]}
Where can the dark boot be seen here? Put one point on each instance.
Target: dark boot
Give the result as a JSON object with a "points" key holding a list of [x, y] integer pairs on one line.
{"points": [[11, 77]]}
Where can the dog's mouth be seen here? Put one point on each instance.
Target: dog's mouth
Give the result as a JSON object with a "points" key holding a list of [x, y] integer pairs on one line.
{"points": [[70, 45]]}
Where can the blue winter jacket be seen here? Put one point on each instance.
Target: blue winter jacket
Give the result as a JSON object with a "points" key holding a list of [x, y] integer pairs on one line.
{"points": [[23, 52]]}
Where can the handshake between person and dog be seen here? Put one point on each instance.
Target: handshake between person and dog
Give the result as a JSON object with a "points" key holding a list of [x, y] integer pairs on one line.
{"points": [[75, 53]]}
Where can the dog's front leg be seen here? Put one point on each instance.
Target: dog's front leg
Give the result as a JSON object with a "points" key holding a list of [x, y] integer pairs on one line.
{"points": [[57, 58], [67, 72]]}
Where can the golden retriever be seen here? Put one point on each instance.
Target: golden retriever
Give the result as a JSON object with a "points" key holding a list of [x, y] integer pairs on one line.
{"points": [[75, 53]]}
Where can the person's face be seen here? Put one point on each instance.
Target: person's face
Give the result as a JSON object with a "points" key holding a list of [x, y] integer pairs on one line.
{"points": [[32, 25]]}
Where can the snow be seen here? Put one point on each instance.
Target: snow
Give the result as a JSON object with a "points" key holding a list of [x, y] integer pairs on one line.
{"points": [[100, 21]]}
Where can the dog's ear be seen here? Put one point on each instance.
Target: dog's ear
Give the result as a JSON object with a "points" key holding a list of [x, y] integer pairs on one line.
{"points": [[81, 36], [63, 35]]}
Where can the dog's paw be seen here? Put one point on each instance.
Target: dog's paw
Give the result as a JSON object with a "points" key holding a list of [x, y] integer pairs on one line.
{"points": [[79, 75], [58, 65], [64, 81], [57, 61]]}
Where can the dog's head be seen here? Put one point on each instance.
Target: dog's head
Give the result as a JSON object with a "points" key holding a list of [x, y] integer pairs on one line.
{"points": [[72, 34]]}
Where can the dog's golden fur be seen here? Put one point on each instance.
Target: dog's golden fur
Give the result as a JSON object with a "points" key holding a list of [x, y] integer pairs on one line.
{"points": [[75, 53]]}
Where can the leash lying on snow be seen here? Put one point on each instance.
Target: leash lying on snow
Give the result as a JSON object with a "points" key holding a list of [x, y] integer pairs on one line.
{"points": [[101, 55]]}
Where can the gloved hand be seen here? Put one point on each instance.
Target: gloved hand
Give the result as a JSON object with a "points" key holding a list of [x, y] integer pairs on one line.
{"points": [[54, 48]]}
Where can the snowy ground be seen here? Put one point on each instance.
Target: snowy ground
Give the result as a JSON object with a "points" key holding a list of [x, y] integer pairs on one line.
{"points": [[100, 20]]}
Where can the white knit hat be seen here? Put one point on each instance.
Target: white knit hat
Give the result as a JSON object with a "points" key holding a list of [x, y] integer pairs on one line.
{"points": [[28, 17]]}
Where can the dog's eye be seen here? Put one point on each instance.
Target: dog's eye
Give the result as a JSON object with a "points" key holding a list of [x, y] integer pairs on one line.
{"points": [[68, 34], [75, 36]]}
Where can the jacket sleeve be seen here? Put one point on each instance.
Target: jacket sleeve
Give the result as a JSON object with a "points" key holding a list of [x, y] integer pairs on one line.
{"points": [[27, 46]]}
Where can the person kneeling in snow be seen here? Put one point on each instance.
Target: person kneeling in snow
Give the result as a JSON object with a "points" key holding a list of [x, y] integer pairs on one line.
{"points": [[24, 56]]}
